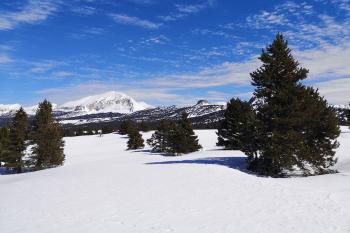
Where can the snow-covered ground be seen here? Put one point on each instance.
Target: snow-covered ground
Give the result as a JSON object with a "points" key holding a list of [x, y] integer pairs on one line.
{"points": [[103, 188]]}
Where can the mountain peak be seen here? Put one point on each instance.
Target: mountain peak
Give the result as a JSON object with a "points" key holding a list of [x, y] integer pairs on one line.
{"points": [[111, 101]]}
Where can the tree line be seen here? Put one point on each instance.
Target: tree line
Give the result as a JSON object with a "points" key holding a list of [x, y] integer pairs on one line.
{"points": [[170, 137], [43, 139]]}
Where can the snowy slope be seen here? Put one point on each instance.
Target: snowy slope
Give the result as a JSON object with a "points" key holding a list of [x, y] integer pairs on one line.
{"points": [[102, 103], [103, 188], [10, 109]]}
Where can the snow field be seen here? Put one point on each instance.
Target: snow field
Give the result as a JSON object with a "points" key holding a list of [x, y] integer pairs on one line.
{"points": [[104, 188]]}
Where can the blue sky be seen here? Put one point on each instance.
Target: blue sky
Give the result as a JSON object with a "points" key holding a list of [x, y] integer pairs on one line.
{"points": [[164, 52]]}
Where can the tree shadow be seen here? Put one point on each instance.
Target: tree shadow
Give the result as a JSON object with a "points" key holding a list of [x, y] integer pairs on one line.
{"points": [[5, 171], [238, 163]]}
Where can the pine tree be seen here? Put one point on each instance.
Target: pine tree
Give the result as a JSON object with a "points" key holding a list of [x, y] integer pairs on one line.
{"points": [[348, 115], [17, 141], [135, 140], [47, 138], [174, 138], [160, 139], [237, 130], [184, 140], [296, 126], [4, 143]]}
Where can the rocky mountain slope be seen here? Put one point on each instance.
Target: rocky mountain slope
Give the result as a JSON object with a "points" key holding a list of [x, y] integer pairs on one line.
{"points": [[116, 107]]}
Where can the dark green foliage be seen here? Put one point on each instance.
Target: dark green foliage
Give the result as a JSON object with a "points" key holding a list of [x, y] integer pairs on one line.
{"points": [[183, 140], [125, 127], [238, 129], [47, 137], [296, 127], [174, 138], [348, 115], [144, 126], [4, 143], [135, 139], [17, 137], [160, 140]]}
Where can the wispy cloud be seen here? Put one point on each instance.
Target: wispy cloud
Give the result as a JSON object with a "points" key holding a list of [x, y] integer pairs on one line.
{"points": [[224, 74], [5, 59], [34, 11], [84, 10], [335, 91], [183, 10], [134, 21]]}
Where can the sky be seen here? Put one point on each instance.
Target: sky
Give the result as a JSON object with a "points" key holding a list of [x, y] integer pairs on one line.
{"points": [[165, 52]]}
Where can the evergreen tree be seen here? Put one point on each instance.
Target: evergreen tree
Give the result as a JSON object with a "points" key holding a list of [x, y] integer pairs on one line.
{"points": [[135, 140], [296, 126], [348, 115], [4, 143], [17, 141], [47, 138], [184, 140], [160, 140], [238, 129], [125, 127], [174, 138]]}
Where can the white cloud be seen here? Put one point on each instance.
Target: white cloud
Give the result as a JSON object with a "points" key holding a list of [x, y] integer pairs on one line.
{"points": [[84, 10], [5, 59], [158, 96], [183, 10], [63, 74], [132, 20], [34, 11], [224, 74], [330, 60], [335, 91], [266, 20]]}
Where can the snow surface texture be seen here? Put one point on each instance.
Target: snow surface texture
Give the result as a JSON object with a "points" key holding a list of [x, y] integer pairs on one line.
{"points": [[104, 188]]}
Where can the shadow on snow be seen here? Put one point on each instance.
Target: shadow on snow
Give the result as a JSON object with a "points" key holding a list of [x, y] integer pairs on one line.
{"points": [[238, 163]]}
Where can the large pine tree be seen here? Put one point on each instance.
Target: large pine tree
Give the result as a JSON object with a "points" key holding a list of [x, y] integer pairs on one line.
{"points": [[18, 133], [47, 138], [297, 128]]}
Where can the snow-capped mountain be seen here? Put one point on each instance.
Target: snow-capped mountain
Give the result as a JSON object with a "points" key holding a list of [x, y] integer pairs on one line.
{"points": [[115, 107], [115, 102], [10, 109]]}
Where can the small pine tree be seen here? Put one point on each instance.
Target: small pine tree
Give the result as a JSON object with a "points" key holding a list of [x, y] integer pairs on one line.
{"points": [[125, 127], [4, 143], [47, 138], [160, 139], [17, 141], [174, 138], [237, 131], [348, 115], [296, 126], [135, 140], [184, 140]]}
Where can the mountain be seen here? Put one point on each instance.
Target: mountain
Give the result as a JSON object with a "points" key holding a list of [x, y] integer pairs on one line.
{"points": [[115, 102], [114, 107]]}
